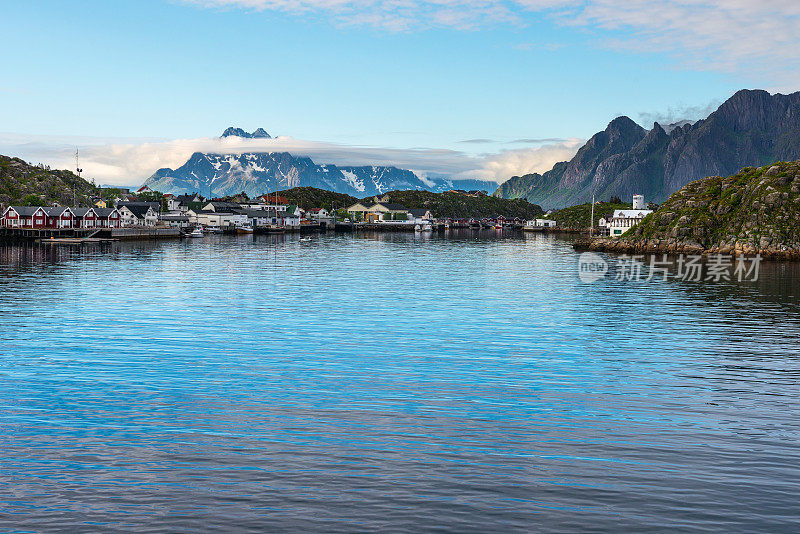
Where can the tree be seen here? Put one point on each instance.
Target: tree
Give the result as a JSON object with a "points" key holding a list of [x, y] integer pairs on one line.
{"points": [[32, 200]]}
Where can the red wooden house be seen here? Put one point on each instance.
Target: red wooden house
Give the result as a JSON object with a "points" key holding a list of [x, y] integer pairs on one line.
{"points": [[108, 218], [85, 218], [25, 217], [59, 218]]}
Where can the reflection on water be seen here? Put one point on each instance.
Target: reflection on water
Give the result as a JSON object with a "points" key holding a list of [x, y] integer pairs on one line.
{"points": [[402, 382]]}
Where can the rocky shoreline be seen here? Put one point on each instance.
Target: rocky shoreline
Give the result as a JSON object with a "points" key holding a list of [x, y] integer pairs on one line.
{"points": [[676, 246]]}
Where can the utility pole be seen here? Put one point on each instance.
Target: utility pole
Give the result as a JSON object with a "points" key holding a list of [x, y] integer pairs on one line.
{"points": [[591, 226]]}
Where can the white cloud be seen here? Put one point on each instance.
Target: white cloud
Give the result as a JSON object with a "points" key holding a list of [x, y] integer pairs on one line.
{"points": [[131, 162], [754, 39]]}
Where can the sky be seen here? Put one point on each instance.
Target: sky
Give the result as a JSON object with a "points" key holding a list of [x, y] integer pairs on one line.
{"points": [[471, 88]]}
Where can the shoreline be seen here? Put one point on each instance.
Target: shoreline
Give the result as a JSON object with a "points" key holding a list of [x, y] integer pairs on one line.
{"points": [[672, 246]]}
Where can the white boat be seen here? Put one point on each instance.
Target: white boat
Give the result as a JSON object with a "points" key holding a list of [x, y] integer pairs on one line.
{"points": [[423, 227], [244, 229], [305, 239], [197, 232]]}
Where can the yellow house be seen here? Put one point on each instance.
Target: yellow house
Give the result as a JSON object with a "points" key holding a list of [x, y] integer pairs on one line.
{"points": [[100, 204]]}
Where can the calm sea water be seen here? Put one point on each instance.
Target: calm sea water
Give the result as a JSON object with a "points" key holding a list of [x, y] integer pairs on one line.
{"points": [[390, 383]]}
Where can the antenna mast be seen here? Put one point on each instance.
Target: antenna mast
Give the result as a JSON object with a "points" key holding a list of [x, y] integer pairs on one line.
{"points": [[78, 169]]}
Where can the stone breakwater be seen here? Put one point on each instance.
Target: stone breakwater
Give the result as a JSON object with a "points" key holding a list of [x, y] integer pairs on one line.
{"points": [[677, 246]]}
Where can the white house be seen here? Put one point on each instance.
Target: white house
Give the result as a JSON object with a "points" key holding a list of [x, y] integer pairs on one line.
{"points": [[138, 215], [291, 220], [214, 219], [181, 202], [541, 223], [257, 217], [419, 216], [173, 220]]}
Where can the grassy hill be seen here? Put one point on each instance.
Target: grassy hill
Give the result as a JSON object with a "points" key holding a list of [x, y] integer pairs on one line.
{"points": [[577, 217], [460, 205], [26, 184], [312, 197], [440, 204]]}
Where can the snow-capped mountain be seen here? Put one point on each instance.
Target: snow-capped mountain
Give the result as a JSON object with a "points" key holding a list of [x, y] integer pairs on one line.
{"points": [[258, 173]]}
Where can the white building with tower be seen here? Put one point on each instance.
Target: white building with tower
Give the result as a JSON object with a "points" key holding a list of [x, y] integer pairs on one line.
{"points": [[624, 220]]}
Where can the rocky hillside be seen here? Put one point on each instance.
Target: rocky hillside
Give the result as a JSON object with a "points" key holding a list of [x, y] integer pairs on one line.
{"points": [[751, 128], [24, 184], [257, 173], [755, 210]]}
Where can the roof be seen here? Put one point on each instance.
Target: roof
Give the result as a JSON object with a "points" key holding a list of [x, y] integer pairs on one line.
{"points": [[222, 206], [80, 212], [174, 218], [256, 213], [631, 214], [138, 210], [24, 211], [418, 212], [55, 211], [155, 205], [104, 212], [392, 207]]}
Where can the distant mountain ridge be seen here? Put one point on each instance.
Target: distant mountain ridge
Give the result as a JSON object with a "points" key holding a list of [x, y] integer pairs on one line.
{"points": [[262, 172], [752, 128]]}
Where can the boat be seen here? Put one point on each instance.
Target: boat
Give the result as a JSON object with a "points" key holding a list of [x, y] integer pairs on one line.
{"points": [[244, 229], [423, 227], [305, 239], [197, 232]]}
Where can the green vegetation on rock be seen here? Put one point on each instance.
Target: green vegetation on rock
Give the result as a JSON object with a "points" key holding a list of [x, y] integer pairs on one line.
{"points": [[30, 185], [454, 205], [577, 217], [458, 205], [312, 197]]}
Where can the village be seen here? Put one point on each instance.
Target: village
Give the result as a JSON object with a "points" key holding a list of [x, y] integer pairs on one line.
{"points": [[137, 216]]}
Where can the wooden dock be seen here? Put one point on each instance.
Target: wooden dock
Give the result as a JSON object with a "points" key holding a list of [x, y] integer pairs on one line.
{"points": [[133, 233]]}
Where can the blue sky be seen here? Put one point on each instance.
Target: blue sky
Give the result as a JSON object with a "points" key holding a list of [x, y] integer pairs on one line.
{"points": [[430, 75]]}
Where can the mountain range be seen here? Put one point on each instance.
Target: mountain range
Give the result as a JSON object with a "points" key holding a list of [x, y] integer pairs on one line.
{"points": [[752, 128], [262, 172]]}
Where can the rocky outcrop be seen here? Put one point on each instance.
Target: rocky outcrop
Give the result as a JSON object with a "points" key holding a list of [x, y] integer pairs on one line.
{"points": [[756, 211]]}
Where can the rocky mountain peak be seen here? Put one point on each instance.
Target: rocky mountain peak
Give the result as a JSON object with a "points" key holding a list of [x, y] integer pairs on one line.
{"points": [[260, 133], [624, 125]]}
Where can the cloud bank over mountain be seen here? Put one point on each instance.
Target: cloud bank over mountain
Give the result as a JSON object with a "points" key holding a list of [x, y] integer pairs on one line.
{"points": [[127, 162]]}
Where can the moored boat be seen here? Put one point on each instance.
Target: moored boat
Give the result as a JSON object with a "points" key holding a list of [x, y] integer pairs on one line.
{"points": [[197, 232]]}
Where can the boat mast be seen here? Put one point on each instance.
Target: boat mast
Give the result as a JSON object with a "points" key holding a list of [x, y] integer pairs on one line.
{"points": [[591, 225]]}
